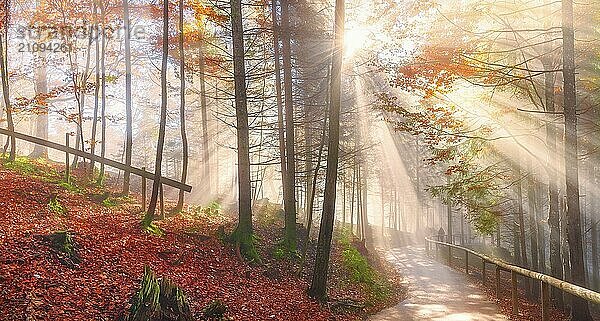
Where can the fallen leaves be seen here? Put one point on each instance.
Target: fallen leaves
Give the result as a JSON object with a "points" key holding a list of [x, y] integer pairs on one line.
{"points": [[113, 252]]}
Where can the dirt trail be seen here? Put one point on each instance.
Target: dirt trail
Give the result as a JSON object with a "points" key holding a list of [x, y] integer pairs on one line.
{"points": [[436, 292]]}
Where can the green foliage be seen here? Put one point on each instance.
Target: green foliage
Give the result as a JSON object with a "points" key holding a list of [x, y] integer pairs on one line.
{"points": [[247, 245], [158, 299], [152, 229], [359, 269], [215, 310], [212, 210], [110, 202], [55, 206], [29, 167], [285, 251], [71, 187]]}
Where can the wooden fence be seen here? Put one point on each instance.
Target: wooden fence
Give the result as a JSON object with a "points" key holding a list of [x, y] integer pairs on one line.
{"points": [[545, 281], [69, 150]]}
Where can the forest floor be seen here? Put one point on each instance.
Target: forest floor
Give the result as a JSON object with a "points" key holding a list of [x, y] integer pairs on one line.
{"points": [[38, 282]]}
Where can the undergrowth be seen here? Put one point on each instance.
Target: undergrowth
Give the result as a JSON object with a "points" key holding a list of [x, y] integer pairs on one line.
{"points": [[55, 206], [360, 270]]}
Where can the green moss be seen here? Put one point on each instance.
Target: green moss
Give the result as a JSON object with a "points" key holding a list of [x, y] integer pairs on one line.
{"points": [[247, 245]]}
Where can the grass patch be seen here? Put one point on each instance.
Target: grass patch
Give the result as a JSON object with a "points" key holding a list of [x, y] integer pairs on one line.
{"points": [[360, 270], [153, 229], [71, 187], [55, 206], [30, 167], [110, 202]]}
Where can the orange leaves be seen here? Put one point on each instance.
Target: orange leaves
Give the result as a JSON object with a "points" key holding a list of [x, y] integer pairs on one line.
{"points": [[202, 12], [433, 71]]}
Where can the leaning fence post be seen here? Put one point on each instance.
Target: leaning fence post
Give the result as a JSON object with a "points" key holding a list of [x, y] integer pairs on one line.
{"points": [[67, 167], [144, 190], [515, 294], [545, 300]]}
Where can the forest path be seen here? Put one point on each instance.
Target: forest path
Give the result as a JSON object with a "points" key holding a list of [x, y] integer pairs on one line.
{"points": [[436, 292]]}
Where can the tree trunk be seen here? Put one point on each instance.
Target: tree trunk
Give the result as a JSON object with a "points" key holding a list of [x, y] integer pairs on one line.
{"points": [[532, 204], [184, 139], [244, 228], [41, 88], [156, 184], [103, 98], [5, 88], [289, 197], [204, 107], [280, 126], [128, 102], [318, 287], [96, 89], [580, 310]]}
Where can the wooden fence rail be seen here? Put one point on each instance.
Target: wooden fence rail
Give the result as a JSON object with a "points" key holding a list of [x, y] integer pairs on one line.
{"points": [[544, 280], [69, 150]]}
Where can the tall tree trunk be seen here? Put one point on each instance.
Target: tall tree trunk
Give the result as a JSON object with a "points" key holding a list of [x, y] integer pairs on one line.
{"points": [[184, 139], [5, 86], [318, 287], [532, 211], [204, 107], [41, 88], [556, 268], [280, 126], [156, 184], [96, 88], [580, 310], [244, 228], [289, 197], [103, 98], [128, 102], [521, 218]]}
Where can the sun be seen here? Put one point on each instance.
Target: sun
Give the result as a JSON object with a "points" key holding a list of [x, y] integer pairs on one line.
{"points": [[355, 40]]}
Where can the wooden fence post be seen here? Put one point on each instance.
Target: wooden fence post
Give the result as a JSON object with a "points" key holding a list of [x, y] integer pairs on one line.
{"points": [[497, 282], [467, 261], [67, 167], [449, 255], [144, 191], [162, 202], [515, 294], [545, 300], [483, 271]]}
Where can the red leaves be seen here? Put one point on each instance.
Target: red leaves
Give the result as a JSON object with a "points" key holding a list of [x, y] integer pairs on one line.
{"points": [[113, 251]]}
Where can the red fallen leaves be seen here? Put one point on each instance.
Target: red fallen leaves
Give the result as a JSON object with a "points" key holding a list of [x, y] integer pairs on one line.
{"points": [[113, 251]]}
